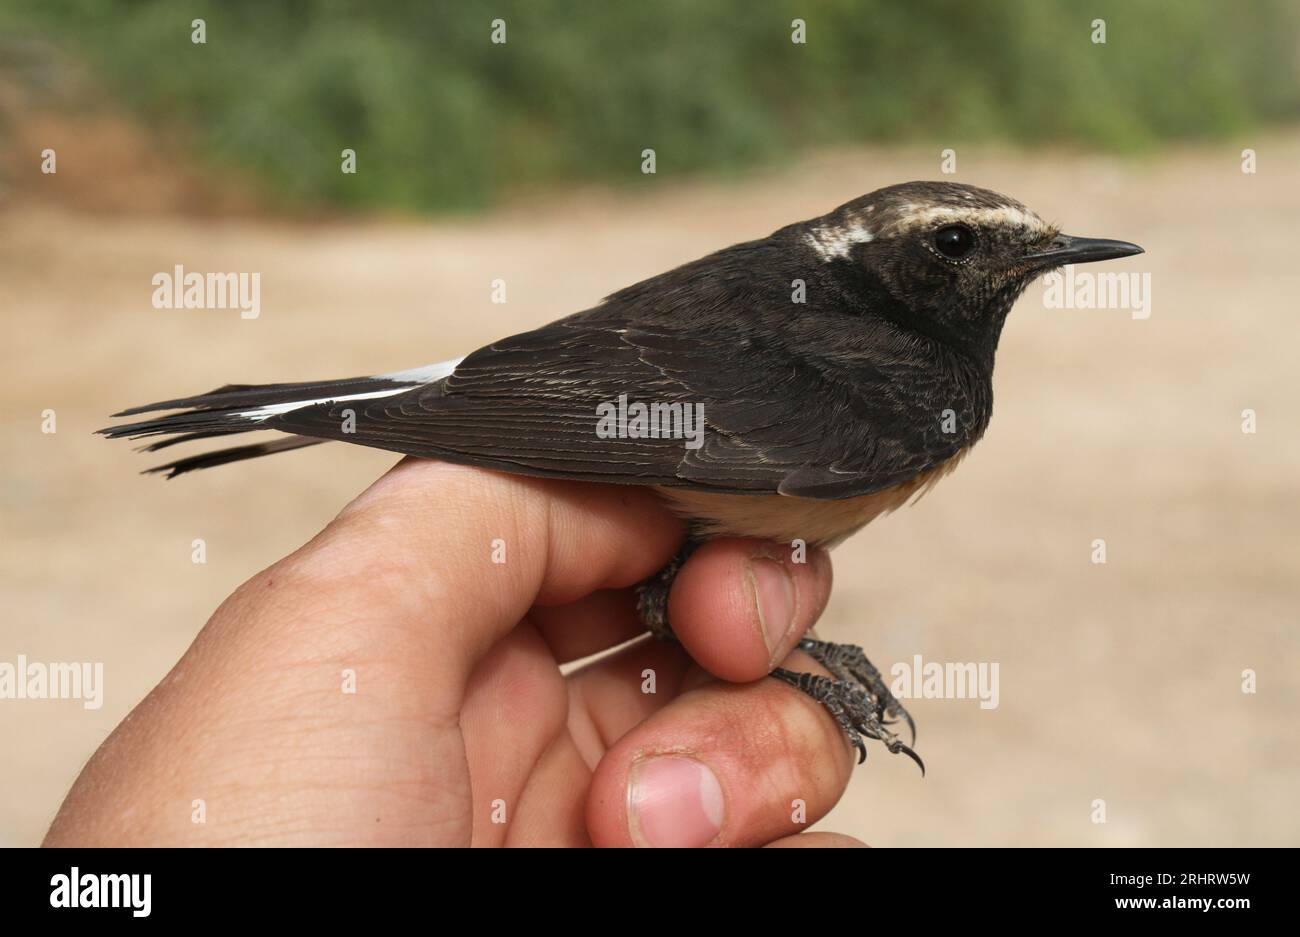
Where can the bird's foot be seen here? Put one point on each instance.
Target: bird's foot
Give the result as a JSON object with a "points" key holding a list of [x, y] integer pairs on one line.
{"points": [[855, 695], [849, 663]]}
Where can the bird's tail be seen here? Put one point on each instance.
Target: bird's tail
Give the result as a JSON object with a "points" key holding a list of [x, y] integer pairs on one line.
{"points": [[231, 454], [242, 408]]}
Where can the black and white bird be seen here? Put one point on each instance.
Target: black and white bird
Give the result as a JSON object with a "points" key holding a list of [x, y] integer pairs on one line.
{"points": [[841, 365]]}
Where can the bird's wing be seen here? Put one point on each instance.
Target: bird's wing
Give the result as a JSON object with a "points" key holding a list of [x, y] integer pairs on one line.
{"points": [[532, 404]]}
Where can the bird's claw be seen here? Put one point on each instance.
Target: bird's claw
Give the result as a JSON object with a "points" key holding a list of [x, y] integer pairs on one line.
{"points": [[855, 695]]}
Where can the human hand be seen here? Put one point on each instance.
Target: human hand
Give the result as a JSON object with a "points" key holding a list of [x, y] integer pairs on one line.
{"points": [[461, 718]]}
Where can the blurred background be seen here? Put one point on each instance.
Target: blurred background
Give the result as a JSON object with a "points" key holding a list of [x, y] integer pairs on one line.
{"points": [[1119, 682]]}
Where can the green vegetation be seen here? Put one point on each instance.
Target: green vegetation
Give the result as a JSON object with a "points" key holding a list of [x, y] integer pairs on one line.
{"points": [[441, 118]]}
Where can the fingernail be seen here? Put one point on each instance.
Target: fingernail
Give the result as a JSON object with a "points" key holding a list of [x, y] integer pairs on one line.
{"points": [[674, 802], [774, 595]]}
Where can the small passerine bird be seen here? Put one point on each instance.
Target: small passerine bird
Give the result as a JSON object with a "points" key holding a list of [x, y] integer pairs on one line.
{"points": [[790, 388]]}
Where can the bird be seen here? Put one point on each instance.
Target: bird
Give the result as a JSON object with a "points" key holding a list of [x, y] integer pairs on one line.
{"points": [[790, 388]]}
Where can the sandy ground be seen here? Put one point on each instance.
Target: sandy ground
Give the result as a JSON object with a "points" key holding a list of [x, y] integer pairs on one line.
{"points": [[1119, 682]]}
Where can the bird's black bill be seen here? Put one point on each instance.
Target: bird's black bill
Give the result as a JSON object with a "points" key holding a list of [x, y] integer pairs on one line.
{"points": [[1066, 249]]}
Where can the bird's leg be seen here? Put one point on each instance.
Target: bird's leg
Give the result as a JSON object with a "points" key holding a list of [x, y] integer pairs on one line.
{"points": [[855, 695], [652, 595]]}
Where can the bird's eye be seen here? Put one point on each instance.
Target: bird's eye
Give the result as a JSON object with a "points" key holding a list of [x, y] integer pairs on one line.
{"points": [[954, 241]]}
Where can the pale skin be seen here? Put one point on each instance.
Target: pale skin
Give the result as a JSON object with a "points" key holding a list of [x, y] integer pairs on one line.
{"points": [[460, 714]]}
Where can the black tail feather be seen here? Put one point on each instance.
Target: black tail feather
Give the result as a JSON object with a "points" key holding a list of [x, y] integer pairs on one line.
{"points": [[218, 411], [186, 437], [195, 423], [234, 454], [224, 412], [248, 396]]}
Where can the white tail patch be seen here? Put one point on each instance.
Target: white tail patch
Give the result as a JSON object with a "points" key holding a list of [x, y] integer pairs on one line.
{"points": [[412, 377], [425, 375]]}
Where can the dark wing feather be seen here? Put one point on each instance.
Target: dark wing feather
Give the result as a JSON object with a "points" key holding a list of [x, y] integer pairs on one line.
{"points": [[528, 405]]}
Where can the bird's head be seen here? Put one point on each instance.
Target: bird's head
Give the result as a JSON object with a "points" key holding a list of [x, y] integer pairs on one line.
{"points": [[945, 259]]}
